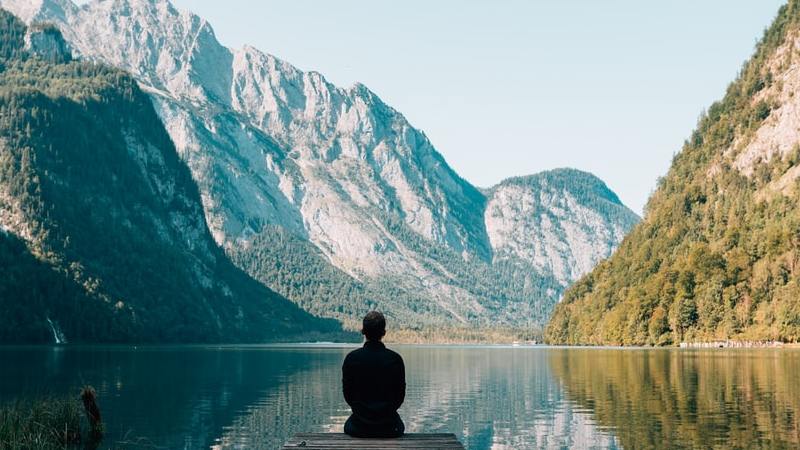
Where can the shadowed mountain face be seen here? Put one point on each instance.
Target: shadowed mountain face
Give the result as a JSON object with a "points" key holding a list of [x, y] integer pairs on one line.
{"points": [[330, 196], [716, 256], [103, 233]]}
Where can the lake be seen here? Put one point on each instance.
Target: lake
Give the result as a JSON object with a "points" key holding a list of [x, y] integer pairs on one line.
{"points": [[492, 397]]}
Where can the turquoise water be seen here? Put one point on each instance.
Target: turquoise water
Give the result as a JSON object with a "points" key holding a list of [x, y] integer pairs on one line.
{"points": [[491, 397]]}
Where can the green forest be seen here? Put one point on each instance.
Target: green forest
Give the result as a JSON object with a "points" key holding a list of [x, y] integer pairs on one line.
{"points": [[513, 294], [716, 255]]}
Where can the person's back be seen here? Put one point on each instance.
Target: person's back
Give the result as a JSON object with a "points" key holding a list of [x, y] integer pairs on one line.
{"points": [[374, 384]]}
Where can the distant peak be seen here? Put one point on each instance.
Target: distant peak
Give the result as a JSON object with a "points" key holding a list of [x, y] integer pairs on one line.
{"points": [[317, 76], [137, 3], [155, 7], [565, 178], [579, 176], [362, 89]]}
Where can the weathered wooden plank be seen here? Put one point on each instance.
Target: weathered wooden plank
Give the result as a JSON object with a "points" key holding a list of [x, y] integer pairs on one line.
{"points": [[336, 441], [358, 446], [405, 437], [355, 445], [371, 443], [348, 438]]}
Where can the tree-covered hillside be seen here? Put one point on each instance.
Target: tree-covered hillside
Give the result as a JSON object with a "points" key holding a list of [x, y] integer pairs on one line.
{"points": [[586, 187], [716, 256], [102, 234], [298, 270]]}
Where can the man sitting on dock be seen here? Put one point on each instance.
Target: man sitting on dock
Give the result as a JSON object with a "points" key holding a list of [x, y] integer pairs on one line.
{"points": [[374, 384]]}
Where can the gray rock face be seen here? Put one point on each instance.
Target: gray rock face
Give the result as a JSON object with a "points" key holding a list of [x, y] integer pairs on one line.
{"points": [[562, 221], [104, 235], [271, 145]]}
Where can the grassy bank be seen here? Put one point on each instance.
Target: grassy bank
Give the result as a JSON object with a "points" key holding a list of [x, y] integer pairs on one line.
{"points": [[45, 423]]}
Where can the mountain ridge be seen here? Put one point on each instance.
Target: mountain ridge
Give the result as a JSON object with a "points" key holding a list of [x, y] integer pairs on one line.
{"points": [[272, 146], [103, 234]]}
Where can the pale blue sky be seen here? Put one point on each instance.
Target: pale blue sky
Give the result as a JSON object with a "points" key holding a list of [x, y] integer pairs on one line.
{"points": [[506, 88]]}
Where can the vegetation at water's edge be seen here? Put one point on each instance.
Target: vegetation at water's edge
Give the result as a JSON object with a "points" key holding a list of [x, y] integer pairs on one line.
{"points": [[711, 260], [463, 335], [45, 423]]}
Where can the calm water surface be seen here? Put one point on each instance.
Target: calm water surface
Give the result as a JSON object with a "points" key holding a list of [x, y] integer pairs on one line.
{"points": [[491, 397]]}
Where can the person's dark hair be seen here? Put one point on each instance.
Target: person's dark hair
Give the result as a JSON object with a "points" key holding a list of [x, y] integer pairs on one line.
{"points": [[374, 326]]}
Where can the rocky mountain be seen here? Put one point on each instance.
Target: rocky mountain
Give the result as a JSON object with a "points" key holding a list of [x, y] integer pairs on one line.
{"points": [[330, 196], [102, 231], [562, 221], [716, 255]]}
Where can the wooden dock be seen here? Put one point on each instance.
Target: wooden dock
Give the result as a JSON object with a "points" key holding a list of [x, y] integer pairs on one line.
{"points": [[341, 441]]}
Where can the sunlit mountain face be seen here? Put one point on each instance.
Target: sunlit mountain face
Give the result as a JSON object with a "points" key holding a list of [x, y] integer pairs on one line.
{"points": [[329, 196]]}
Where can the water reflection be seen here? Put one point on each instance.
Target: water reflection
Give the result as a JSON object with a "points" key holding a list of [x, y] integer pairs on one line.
{"points": [[687, 399], [492, 398], [171, 397]]}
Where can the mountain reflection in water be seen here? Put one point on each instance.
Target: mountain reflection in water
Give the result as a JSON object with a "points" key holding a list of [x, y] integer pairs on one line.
{"points": [[491, 397]]}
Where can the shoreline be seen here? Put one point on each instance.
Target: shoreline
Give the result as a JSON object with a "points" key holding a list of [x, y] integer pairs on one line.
{"points": [[767, 345], [739, 344]]}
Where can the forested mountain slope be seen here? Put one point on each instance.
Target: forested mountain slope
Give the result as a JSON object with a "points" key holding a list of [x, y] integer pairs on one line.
{"points": [[102, 232], [329, 195], [716, 255]]}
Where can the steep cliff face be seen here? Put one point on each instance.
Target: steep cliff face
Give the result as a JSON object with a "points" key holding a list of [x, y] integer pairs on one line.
{"points": [[348, 134], [104, 237], [274, 149], [716, 256]]}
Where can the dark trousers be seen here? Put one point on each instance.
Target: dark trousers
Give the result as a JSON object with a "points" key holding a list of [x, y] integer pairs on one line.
{"points": [[390, 429]]}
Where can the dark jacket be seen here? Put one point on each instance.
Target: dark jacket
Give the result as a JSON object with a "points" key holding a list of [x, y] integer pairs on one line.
{"points": [[374, 384]]}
